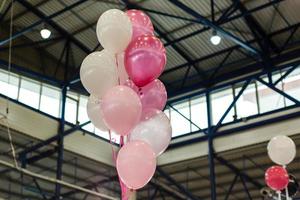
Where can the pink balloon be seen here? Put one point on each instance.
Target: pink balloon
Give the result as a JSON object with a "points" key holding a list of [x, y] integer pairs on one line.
{"points": [[141, 23], [121, 109], [145, 59], [122, 74], [136, 164], [153, 95], [131, 84]]}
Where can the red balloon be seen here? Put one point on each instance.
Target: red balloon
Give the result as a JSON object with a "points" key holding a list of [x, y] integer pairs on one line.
{"points": [[277, 178], [145, 59], [141, 23]]}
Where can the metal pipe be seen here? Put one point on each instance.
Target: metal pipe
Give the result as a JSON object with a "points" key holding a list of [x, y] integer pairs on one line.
{"points": [[53, 180]]}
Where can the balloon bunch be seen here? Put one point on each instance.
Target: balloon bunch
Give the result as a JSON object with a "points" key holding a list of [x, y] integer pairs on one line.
{"points": [[282, 151], [126, 96]]}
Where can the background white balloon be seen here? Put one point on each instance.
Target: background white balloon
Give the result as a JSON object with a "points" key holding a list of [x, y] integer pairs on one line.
{"points": [[98, 72], [94, 113], [281, 150], [114, 30], [155, 129]]}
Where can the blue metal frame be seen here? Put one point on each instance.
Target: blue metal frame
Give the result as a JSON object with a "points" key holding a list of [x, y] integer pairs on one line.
{"points": [[210, 24], [270, 65]]}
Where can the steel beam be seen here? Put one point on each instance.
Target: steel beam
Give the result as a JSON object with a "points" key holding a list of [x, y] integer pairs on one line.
{"points": [[229, 19], [53, 139], [238, 172], [231, 187], [212, 25], [227, 50], [288, 72], [49, 20], [257, 30], [177, 185], [271, 86], [211, 153], [231, 105]]}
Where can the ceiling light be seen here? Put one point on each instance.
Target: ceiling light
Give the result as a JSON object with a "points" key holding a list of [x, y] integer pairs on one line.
{"points": [[45, 33], [215, 39]]}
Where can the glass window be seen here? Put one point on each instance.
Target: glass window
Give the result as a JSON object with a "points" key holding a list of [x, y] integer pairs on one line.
{"points": [[220, 101], [82, 113], [11, 89], [179, 124], [71, 107], [50, 100], [291, 86], [199, 113], [247, 103], [269, 99], [30, 92]]}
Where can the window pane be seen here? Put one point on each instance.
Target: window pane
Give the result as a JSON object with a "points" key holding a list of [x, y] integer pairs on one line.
{"points": [[247, 104], [30, 93], [11, 89], [269, 99], [50, 100], [220, 101], [82, 113], [199, 113], [71, 108], [291, 86], [180, 125]]}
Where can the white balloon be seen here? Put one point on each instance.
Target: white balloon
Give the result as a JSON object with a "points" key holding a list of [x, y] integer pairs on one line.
{"points": [[98, 72], [155, 129], [114, 30], [281, 150], [94, 113]]}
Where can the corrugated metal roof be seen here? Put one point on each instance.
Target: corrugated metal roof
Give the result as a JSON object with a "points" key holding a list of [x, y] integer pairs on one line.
{"points": [[81, 22]]}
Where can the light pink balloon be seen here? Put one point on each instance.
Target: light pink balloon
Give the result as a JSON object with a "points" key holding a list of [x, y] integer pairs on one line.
{"points": [[136, 164], [122, 74], [145, 59], [141, 23], [121, 109], [153, 95], [155, 129], [130, 83]]}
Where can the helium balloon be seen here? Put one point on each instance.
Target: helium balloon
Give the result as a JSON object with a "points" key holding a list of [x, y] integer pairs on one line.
{"points": [[114, 30], [141, 23], [153, 95], [98, 72], [136, 163], [145, 59], [277, 178], [130, 84], [123, 76], [121, 109], [94, 113], [281, 150], [155, 129]]}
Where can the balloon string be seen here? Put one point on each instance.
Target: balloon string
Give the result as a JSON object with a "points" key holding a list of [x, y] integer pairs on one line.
{"points": [[279, 195], [118, 70], [114, 157], [287, 193]]}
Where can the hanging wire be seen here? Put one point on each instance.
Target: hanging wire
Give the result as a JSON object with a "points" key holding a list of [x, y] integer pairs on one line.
{"points": [[8, 81]]}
